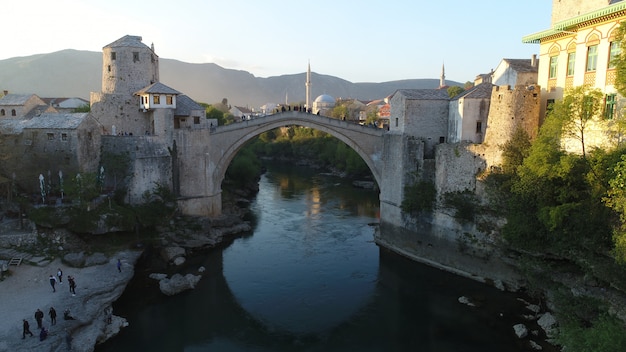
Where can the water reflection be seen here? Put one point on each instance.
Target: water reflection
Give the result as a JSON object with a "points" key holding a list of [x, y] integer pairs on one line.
{"points": [[305, 282]]}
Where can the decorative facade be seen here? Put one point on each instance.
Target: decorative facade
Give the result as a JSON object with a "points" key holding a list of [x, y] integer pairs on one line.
{"points": [[578, 49]]}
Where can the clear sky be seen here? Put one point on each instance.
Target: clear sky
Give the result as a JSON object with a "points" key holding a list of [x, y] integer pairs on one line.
{"points": [[360, 41]]}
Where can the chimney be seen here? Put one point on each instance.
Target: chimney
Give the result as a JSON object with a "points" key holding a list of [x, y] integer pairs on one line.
{"points": [[533, 60]]}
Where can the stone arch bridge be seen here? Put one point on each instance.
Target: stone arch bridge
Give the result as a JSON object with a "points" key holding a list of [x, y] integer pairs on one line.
{"points": [[205, 155]]}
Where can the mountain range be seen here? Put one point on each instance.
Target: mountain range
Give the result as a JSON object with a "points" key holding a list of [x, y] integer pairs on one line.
{"points": [[74, 73]]}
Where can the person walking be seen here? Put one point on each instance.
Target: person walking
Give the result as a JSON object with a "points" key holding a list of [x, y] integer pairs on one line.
{"points": [[60, 275], [39, 318], [119, 265], [70, 279], [53, 281], [53, 316], [26, 329]]}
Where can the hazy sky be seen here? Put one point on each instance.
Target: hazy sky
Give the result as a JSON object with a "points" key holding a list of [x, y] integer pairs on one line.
{"points": [[360, 41]]}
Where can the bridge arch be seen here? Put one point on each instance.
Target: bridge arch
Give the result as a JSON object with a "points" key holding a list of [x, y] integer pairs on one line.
{"points": [[339, 129], [201, 193]]}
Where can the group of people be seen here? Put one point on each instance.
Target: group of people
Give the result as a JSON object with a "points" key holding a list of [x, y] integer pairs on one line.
{"points": [[43, 332], [59, 278]]}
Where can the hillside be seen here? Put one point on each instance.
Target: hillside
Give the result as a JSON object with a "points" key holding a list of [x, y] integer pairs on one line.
{"points": [[73, 73]]}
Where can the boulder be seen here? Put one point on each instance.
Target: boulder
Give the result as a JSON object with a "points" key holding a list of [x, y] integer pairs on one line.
{"points": [[548, 323], [96, 259], [178, 283], [170, 253], [76, 260], [157, 276], [521, 330]]}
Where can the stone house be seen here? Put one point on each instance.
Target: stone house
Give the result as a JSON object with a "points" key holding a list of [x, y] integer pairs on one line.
{"points": [[241, 112], [22, 106], [421, 113], [46, 144], [468, 114], [513, 72]]}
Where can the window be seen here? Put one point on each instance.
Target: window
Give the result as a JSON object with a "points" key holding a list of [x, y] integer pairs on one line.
{"points": [[156, 99], [113, 55], [64, 136], [135, 56], [169, 99], [396, 122], [13, 113], [2, 112], [479, 126], [442, 139], [571, 63], [109, 68], [50, 136], [592, 58], [196, 120], [614, 51], [554, 60], [609, 106]]}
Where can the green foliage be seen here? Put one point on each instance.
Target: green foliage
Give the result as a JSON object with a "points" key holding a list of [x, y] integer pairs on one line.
{"points": [[340, 112], [465, 204], [620, 63], [83, 187], [83, 108], [454, 91], [306, 143], [244, 168], [515, 151], [580, 106], [419, 197], [586, 326], [116, 167]]}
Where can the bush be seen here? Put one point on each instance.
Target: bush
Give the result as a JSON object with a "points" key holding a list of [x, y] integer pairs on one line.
{"points": [[419, 197]]}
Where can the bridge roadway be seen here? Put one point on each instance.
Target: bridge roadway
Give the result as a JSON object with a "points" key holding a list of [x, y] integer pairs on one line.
{"points": [[204, 158]]}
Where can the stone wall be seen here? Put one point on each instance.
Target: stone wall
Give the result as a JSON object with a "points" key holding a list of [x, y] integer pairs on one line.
{"points": [[150, 163]]}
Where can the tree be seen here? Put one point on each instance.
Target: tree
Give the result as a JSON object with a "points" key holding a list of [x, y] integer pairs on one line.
{"points": [[620, 61], [454, 91], [580, 106], [340, 112]]}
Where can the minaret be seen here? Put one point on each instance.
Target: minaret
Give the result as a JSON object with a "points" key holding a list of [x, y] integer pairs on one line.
{"points": [[442, 80], [308, 87]]}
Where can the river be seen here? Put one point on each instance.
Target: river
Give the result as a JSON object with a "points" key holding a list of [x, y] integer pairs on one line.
{"points": [[310, 278]]}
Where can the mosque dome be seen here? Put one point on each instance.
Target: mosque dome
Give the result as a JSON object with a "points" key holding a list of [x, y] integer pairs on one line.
{"points": [[325, 99]]}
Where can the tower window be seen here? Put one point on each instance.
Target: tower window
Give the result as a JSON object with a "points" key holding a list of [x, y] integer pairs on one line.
{"points": [[479, 126], [64, 136], [2, 112], [196, 120], [156, 99], [169, 99], [50, 136], [135, 56], [109, 68], [13, 113], [113, 55]]}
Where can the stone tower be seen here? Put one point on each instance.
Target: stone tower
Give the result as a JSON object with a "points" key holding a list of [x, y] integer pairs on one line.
{"points": [[128, 66]]}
